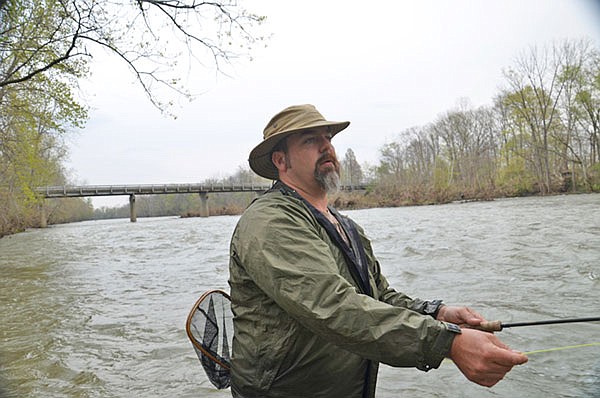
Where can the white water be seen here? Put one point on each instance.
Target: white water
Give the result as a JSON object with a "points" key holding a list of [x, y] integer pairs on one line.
{"points": [[97, 309]]}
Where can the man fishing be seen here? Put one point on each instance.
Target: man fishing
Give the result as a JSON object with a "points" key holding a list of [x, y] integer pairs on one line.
{"points": [[313, 314]]}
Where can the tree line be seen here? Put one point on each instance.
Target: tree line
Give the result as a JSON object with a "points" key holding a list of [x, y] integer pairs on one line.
{"points": [[541, 135]]}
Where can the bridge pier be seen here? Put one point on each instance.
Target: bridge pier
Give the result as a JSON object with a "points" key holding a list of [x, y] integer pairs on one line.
{"points": [[43, 216], [132, 214], [204, 211]]}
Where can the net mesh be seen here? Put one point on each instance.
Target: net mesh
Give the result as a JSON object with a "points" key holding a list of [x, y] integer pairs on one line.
{"points": [[210, 329]]}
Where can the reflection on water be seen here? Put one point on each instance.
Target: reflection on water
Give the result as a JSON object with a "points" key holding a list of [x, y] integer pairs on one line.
{"points": [[97, 309]]}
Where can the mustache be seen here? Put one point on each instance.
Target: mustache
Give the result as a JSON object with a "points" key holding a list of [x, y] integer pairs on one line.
{"points": [[327, 157]]}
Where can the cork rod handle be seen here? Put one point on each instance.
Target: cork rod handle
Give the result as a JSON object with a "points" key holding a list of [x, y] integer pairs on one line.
{"points": [[490, 326]]}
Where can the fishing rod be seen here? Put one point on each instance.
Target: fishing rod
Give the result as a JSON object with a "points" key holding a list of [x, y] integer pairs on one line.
{"points": [[497, 326]]}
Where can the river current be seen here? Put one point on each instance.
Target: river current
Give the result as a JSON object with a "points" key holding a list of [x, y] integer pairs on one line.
{"points": [[98, 308]]}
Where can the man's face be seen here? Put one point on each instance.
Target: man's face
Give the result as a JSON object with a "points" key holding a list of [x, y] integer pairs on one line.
{"points": [[311, 159]]}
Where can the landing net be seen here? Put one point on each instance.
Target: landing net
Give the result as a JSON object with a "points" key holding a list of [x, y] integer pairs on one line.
{"points": [[210, 329]]}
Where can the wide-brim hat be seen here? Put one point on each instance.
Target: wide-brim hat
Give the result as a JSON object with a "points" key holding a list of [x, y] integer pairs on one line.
{"points": [[291, 120]]}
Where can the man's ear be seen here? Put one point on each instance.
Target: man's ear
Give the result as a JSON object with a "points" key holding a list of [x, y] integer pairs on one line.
{"points": [[278, 159]]}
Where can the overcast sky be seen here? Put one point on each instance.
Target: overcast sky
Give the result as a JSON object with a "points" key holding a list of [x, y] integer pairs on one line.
{"points": [[385, 66]]}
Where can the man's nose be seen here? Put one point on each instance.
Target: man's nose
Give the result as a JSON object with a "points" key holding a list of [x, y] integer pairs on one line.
{"points": [[325, 144]]}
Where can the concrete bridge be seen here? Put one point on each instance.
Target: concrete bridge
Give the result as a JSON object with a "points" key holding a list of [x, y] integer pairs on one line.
{"points": [[148, 189], [155, 189]]}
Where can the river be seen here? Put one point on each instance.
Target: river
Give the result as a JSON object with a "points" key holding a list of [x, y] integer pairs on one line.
{"points": [[98, 308]]}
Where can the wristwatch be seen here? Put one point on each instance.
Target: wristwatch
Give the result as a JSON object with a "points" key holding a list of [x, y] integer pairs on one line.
{"points": [[432, 308]]}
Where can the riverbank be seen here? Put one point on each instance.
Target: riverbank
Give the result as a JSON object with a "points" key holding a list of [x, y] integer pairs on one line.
{"points": [[358, 200]]}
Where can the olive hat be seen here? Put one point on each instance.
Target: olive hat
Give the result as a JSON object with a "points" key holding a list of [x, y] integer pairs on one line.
{"points": [[293, 119]]}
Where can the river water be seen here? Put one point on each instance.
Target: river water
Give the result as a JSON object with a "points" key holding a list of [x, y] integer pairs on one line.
{"points": [[97, 309]]}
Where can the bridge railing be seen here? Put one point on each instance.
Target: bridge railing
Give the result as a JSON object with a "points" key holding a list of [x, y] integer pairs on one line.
{"points": [[145, 189]]}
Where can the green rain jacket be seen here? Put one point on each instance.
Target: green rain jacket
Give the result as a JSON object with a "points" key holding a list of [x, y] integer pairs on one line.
{"points": [[305, 324]]}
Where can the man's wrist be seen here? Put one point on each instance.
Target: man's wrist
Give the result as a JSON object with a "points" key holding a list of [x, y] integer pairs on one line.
{"points": [[441, 346], [432, 308]]}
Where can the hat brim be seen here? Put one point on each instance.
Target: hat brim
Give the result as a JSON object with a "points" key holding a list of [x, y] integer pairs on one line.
{"points": [[260, 157]]}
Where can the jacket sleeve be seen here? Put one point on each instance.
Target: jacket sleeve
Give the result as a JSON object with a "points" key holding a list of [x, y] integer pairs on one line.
{"points": [[287, 256]]}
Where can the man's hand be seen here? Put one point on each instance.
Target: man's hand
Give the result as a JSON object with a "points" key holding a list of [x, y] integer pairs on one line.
{"points": [[462, 316], [482, 357]]}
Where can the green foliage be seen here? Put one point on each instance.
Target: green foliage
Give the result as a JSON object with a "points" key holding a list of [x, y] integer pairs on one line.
{"points": [[514, 178], [442, 175], [595, 177]]}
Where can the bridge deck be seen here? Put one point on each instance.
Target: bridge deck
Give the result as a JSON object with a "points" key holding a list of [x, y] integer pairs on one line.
{"points": [[145, 189]]}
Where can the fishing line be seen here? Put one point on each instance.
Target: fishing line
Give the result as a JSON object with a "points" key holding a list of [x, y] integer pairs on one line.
{"points": [[568, 347], [496, 326]]}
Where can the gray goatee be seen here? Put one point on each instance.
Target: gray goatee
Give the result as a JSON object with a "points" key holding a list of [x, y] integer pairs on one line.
{"points": [[329, 180]]}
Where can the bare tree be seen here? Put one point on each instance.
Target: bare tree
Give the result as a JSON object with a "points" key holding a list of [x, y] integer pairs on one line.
{"points": [[536, 89], [543, 87], [587, 107], [149, 36], [351, 170]]}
